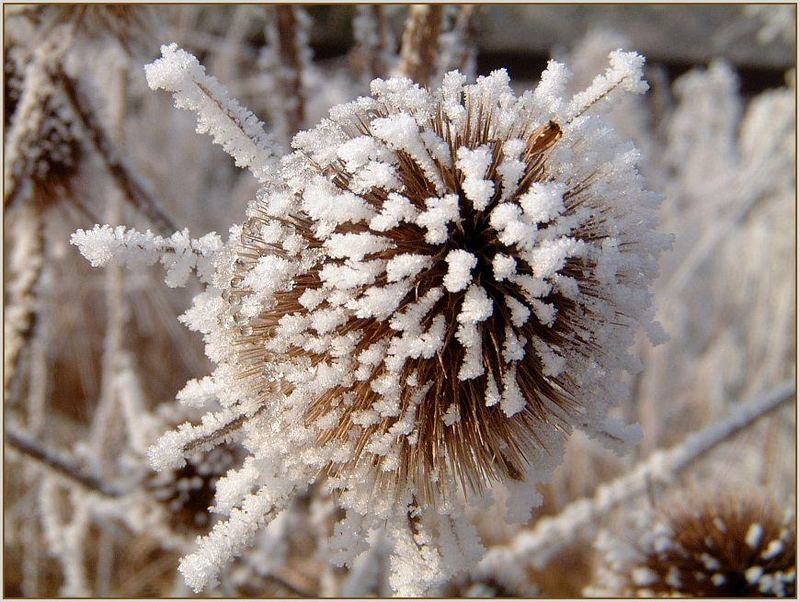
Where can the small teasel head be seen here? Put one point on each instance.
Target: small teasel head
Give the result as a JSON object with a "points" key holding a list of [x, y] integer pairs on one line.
{"points": [[47, 148], [187, 493], [723, 546]]}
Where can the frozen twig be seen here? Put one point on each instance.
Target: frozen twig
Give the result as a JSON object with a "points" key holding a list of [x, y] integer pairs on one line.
{"points": [[373, 39], [420, 42], [293, 51], [136, 191], [58, 463], [30, 116], [535, 547], [27, 261], [458, 46], [233, 127]]}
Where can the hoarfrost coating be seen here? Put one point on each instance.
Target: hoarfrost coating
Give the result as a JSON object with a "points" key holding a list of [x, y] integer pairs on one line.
{"points": [[427, 296]]}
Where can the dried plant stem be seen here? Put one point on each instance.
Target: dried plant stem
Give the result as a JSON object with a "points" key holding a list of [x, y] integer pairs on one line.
{"points": [[137, 193], [117, 310], [59, 464], [290, 587], [291, 57], [460, 49], [420, 42], [370, 56], [21, 312], [535, 547]]}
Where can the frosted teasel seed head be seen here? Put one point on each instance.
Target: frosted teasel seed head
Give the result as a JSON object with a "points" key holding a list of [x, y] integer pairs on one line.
{"points": [[720, 546], [427, 296], [447, 280]]}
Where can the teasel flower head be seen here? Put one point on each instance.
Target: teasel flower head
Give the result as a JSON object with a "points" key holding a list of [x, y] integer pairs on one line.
{"points": [[427, 296], [722, 546], [445, 282]]}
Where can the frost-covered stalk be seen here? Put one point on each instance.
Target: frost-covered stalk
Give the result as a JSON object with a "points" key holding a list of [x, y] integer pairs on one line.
{"points": [[26, 263], [425, 299], [289, 58], [420, 42], [229, 124], [117, 311], [551, 534], [66, 538], [374, 43], [458, 45]]}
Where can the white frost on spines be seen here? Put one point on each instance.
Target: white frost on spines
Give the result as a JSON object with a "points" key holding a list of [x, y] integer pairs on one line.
{"points": [[754, 534], [460, 264], [470, 338], [492, 392], [169, 452], [511, 168], [355, 246], [324, 203], [406, 265], [474, 164], [179, 253], [439, 212], [503, 267], [543, 201], [365, 275], [519, 312], [402, 133], [512, 401], [396, 209], [231, 126]]}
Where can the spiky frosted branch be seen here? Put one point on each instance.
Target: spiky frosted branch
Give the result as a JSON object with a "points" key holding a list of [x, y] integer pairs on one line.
{"points": [[229, 124], [179, 253], [549, 535]]}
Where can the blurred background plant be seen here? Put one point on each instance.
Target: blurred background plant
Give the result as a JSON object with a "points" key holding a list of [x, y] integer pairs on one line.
{"points": [[93, 359]]}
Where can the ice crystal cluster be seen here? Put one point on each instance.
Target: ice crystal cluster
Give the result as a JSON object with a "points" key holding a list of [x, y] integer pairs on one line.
{"points": [[427, 296], [733, 547]]}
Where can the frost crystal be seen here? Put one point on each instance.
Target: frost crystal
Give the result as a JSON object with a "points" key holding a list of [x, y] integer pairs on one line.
{"points": [[424, 300]]}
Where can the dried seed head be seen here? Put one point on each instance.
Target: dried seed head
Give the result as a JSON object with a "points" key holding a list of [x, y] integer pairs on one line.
{"points": [[131, 26], [43, 144], [443, 286], [722, 547], [188, 492]]}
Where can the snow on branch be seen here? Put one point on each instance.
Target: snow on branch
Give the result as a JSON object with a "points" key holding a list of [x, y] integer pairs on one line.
{"points": [[234, 128], [535, 547], [230, 538], [626, 72], [179, 254], [58, 464]]}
